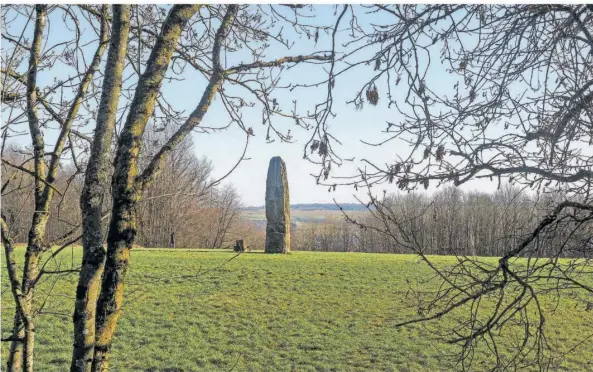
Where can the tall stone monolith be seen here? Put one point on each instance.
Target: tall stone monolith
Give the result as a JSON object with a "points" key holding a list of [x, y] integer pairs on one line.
{"points": [[277, 208]]}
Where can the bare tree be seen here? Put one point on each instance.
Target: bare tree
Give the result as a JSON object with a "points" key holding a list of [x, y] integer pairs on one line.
{"points": [[189, 35], [181, 202], [449, 222], [40, 108], [516, 108], [91, 199], [222, 206]]}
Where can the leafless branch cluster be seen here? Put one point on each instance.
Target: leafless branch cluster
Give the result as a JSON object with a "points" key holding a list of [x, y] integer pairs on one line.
{"points": [[515, 105], [491, 298], [494, 92]]}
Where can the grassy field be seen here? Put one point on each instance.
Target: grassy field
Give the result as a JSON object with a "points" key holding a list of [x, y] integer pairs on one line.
{"points": [[306, 311]]}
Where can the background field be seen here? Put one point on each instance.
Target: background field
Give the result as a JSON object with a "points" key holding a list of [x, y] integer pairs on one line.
{"points": [[306, 311], [298, 215]]}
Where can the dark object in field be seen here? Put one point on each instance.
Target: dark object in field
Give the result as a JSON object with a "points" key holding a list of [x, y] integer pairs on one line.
{"points": [[277, 208], [240, 246]]}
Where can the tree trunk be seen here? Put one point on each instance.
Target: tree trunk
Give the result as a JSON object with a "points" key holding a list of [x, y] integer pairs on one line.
{"points": [[240, 246], [29, 345], [17, 348], [41, 214], [127, 186], [31, 271], [125, 194], [91, 200], [122, 232], [45, 176]]}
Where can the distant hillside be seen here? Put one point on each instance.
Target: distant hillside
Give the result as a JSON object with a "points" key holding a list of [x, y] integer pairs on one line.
{"points": [[317, 207]]}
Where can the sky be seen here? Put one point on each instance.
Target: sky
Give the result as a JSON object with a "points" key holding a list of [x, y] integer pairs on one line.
{"points": [[350, 126]]}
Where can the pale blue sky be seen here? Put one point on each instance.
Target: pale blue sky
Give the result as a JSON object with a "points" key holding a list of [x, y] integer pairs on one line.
{"points": [[350, 126]]}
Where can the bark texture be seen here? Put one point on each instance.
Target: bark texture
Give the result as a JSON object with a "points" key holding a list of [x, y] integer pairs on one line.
{"points": [[15, 358], [91, 200], [25, 346], [277, 208], [125, 194], [45, 173]]}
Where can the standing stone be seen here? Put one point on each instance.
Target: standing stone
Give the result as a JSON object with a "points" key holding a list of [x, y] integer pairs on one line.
{"points": [[277, 208]]}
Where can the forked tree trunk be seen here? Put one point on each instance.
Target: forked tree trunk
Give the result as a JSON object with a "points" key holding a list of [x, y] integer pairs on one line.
{"points": [[127, 185], [122, 232], [91, 200], [125, 194]]}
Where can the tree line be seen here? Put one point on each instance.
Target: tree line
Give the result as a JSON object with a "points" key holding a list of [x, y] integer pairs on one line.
{"points": [[188, 213], [449, 222]]}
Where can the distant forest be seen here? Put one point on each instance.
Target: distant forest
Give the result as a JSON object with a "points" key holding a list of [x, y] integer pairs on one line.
{"points": [[449, 222], [318, 207]]}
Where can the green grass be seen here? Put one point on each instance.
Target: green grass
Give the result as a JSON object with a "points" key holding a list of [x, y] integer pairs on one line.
{"points": [[306, 311]]}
